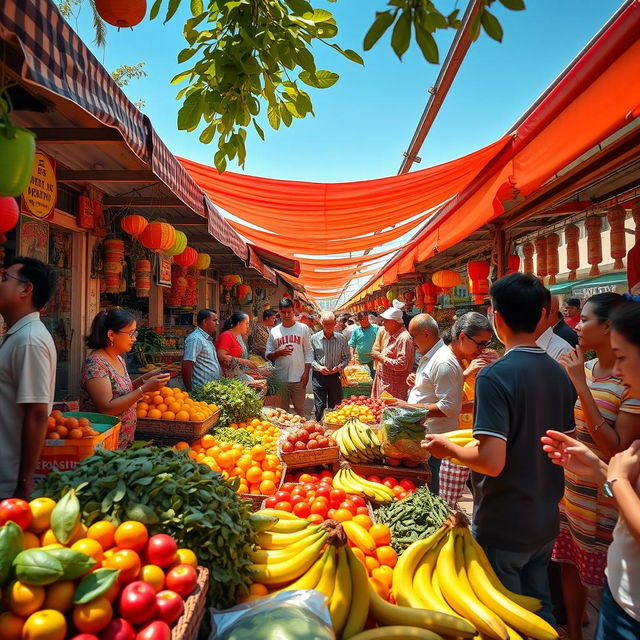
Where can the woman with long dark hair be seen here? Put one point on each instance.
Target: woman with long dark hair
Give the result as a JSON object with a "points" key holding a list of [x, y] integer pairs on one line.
{"points": [[231, 347], [106, 386]]}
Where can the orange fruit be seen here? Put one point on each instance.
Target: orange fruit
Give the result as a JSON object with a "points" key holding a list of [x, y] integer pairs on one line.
{"points": [[371, 563], [380, 588], [175, 406], [157, 400], [168, 415], [30, 541], [208, 440], [381, 534], [103, 532], [182, 415], [268, 487], [89, 547], [244, 462], [154, 414], [141, 413], [51, 424], [45, 625], [62, 431], [128, 561], [54, 435], [131, 535], [387, 555], [166, 391], [162, 407], [24, 599], [258, 453], [268, 475], [143, 405], [181, 446], [59, 596], [254, 474], [363, 520], [258, 589], [384, 573], [75, 434], [93, 616], [71, 423], [225, 460], [11, 626], [41, 509], [152, 575], [342, 514], [358, 553]]}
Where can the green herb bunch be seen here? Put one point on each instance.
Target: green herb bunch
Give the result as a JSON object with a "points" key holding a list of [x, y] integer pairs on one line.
{"points": [[237, 401]]}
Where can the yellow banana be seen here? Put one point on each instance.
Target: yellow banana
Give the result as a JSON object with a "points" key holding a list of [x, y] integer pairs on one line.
{"points": [[359, 609], [425, 582], [340, 600], [391, 614], [452, 578], [281, 515], [268, 540], [328, 578], [359, 536], [406, 567], [288, 526], [290, 569], [529, 603], [363, 487], [513, 634], [311, 578], [459, 433], [511, 613], [269, 556], [398, 632]]}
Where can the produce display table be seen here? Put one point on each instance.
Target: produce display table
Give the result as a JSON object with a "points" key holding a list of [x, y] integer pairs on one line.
{"points": [[169, 432]]}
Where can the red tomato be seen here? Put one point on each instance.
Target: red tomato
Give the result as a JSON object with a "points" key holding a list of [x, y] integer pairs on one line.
{"points": [[17, 511], [161, 550], [374, 479], [397, 490], [289, 487], [270, 503], [284, 506], [302, 510], [331, 513], [407, 485], [309, 487], [362, 511], [283, 496], [338, 495], [297, 499], [402, 495], [358, 501], [389, 482], [326, 475], [320, 508], [323, 499], [323, 491], [349, 506], [315, 477], [315, 518], [298, 491]]}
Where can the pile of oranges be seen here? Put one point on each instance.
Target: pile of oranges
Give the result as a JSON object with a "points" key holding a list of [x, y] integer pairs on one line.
{"points": [[173, 404], [264, 430], [258, 471], [60, 427]]}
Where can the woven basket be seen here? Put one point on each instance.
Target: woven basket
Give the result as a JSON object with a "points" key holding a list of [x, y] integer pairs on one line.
{"points": [[310, 458], [168, 432], [189, 623]]}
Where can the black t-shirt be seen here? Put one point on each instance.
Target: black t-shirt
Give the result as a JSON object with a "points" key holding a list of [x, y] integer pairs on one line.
{"points": [[563, 330], [518, 398]]}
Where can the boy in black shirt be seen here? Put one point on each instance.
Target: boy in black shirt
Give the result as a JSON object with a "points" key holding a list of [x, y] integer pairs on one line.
{"points": [[516, 490]]}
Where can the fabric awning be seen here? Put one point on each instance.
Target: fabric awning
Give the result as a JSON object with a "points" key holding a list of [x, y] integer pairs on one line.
{"points": [[606, 281]]}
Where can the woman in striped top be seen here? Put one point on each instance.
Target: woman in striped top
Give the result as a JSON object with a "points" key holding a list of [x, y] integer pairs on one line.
{"points": [[607, 421]]}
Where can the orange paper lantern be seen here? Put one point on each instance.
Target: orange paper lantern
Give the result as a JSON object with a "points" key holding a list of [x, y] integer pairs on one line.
{"points": [[134, 225], [616, 217], [527, 251], [553, 261], [594, 244], [478, 271], [158, 236], [187, 258], [122, 13], [541, 257], [571, 235], [446, 279]]}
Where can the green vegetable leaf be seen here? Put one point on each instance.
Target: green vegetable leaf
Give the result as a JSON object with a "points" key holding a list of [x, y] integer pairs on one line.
{"points": [[11, 540], [37, 567], [384, 19], [74, 563], [94, 585], [142, 513], [491, 25], [65, 517]]}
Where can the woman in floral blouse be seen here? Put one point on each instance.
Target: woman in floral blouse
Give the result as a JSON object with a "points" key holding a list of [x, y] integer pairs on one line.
{"points": [[106, 386]]}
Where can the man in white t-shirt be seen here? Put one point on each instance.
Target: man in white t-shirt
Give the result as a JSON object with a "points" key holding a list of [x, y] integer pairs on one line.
{"points": [[546, 339], [289, 348], [27, 373]]}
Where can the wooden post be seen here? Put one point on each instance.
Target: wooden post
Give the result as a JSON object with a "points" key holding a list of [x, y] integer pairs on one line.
{"points": [[499, 250]]}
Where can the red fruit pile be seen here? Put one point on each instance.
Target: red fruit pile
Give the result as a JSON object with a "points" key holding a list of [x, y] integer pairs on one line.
{"points": [[311, 496], [374, 404], [312, 435], [401, 488]]}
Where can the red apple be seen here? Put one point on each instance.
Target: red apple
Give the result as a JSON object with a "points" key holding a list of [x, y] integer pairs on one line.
{"points": [[118, 629], [17, 511], [156, 630], [302, 436], [170, 606], [182, 579], [161, 550], [300, 446], [287, 447], [138, 601], [313, 444], [85, 636]]}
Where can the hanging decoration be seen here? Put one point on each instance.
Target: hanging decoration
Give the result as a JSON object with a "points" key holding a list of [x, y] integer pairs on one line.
{"points": [[478, 271], [158, 236], [204, 261], [616, 217], [633, 257], [143, 278], [594, 244], [513, 263], [392, 294], [122, 13], [527, 252], [446, 279], [230, 281], [553, 260], [17, 152], [419, 297], [571, 236], [187, 258], [112, 264], [179, 245], [9, 213], [541, 257], [430, 292], [134, 225]]}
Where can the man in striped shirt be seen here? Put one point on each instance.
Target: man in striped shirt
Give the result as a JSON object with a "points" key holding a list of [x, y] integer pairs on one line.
{"points": [[330, 356]]}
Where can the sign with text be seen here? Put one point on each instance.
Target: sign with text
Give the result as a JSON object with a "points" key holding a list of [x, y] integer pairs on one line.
{"points": [[40, 196]]}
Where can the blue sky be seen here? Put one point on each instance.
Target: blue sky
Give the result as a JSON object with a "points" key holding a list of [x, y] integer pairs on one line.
{"points": [[365, 122]]}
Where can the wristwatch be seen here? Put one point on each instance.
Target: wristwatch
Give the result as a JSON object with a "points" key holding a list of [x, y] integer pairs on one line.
{"points": [[607, 487]]}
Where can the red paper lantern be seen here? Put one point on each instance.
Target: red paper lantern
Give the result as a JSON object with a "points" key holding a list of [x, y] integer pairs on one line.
{"points": [[430, 295], [571, 236], [478, 271], [541, 257], [187, 258], [9, 214], [594, 244], [158, 236], [553, 261], [616, 217], [513, 263], [134, 225], [122, 13], [446, 279], [527, 251]]}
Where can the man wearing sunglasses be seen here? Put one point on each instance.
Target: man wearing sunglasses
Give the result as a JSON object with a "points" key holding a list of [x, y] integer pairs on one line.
{"points": [[27, 373]]}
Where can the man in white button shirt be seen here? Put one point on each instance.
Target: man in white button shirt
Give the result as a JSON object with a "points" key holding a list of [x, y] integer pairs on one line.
{"points": [[551, 342]]}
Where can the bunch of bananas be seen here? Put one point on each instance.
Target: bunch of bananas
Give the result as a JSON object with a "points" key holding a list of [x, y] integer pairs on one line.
{"points": [[358, 442], [463, 438], [449, 572], [350, 482]]}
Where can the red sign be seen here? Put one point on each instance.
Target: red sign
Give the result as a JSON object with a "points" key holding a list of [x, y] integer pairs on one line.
{"points": [[86, 217]]}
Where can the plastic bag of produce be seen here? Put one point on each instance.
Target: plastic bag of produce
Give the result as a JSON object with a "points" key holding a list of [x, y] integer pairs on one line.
{"points": [[401, 431], [355, 374], [287, 615]]}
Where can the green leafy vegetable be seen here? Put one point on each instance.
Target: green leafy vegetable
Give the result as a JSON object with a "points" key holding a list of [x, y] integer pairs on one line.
{"points": [[94, 585], [74, 563], [237, 401], [65, 517], [37, 567]]}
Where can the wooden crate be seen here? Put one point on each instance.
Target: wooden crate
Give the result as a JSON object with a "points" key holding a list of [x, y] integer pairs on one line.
{"points": [[419, 475], [310, 458], [188, 624], [257, 499], [168, 432]]}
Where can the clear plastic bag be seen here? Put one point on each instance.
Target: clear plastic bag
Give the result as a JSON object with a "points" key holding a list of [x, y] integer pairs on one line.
{"points": [[357, 374], [286, 615], [401, 432]]}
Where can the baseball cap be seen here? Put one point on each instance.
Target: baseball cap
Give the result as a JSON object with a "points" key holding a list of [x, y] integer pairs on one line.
{"points": [[392, 314]]}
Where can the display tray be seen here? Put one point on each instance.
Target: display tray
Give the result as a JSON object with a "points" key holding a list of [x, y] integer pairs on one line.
{"points": [[172, 431], [420, 475], [188, 624], [309, 458]]}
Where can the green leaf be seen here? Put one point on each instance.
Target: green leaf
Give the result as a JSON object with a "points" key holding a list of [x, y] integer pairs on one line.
{"points": [[65, 517], [318, 15], [514, 5], [142, 513], [177, 79], [185, 54], [94, 585], [427, 45], [273, 115], [220, 160], [207, 135], [196, 7], [350, 54], [11, 540], [258, 129], [190, 112], [491, 25], [155, 9], [321, 79], [171, 10], [384, 19], [305, 59], [37, 567], [74, 563], [401, 36]]}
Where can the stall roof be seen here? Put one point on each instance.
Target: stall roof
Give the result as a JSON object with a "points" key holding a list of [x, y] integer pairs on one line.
{"points": [[98, 137], [575, 286]]}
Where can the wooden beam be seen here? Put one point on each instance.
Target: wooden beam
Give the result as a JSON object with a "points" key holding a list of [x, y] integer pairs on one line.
{"points": [[143, 203], [107, 175], [55, 135]]}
